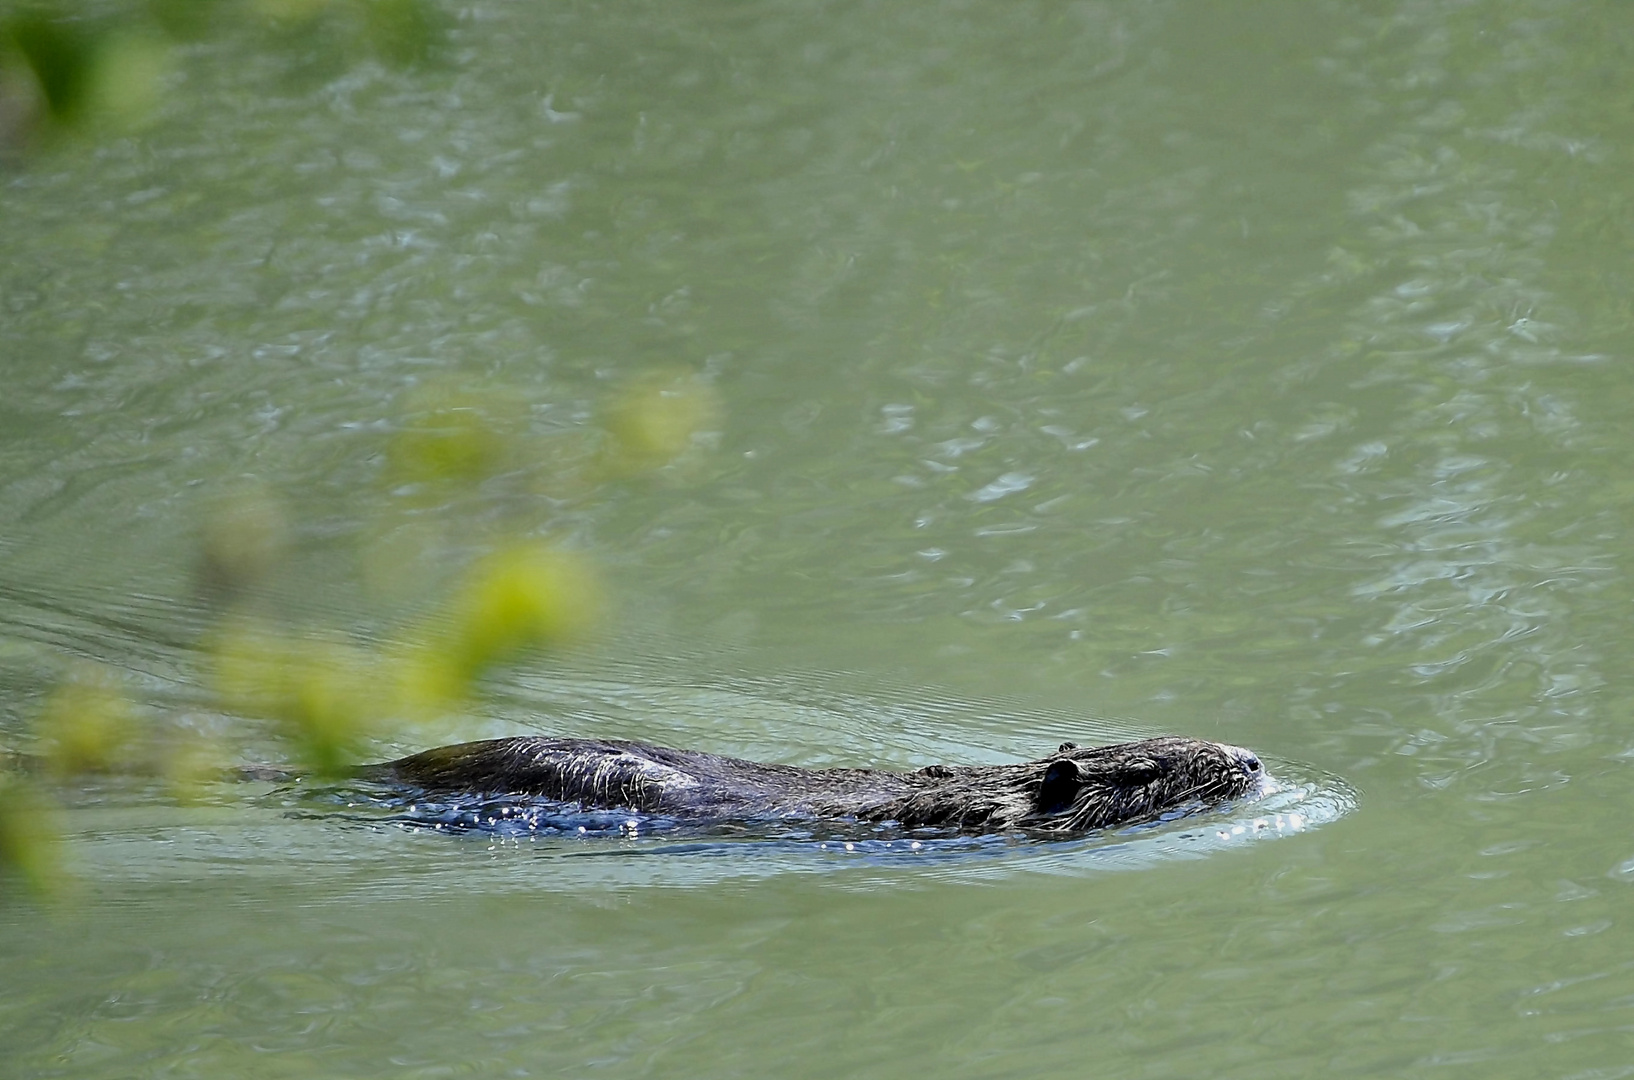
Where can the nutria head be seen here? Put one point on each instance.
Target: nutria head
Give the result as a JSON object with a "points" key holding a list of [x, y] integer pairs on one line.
{"points": [[1075, 790], [1092, 788]]}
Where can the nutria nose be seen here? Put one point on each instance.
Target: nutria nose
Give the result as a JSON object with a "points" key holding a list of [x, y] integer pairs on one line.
{"points": [[1247, 759]]}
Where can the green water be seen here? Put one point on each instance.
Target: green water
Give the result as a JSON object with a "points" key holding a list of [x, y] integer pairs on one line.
{"points": [[1255, 372]]}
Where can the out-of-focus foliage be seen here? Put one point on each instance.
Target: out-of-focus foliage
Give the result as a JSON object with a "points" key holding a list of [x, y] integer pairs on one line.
{"points": [[326, 694], [450, 436], [525, 596], [87, 726], [30, 837], [61, 73], [654, 419], [72, 66], [322, 691], [95, 69], [61, 57]]}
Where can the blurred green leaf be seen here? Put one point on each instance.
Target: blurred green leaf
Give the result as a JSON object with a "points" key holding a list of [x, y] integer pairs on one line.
{"points": [[654, 419], [30, 838], [88, 725], [521, 597], [324, 693], [60, 55]]}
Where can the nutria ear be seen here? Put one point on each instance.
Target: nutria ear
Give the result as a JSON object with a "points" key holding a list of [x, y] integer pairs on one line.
{"points": [[1064, 747], [1060, 784], [1141, 770]]}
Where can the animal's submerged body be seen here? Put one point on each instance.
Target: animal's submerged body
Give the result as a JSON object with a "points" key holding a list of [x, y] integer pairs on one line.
{"points": [[1074, 790]]}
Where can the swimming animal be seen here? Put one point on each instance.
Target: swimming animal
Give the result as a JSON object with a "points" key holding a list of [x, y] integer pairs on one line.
{"points": [[1072, 791]]}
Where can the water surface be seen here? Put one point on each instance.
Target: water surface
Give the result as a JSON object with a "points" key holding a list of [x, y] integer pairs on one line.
{"points": [[1258, 374]]}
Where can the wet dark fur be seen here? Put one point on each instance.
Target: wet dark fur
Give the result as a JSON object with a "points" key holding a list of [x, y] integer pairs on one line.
{"points": [[1074, 790]]}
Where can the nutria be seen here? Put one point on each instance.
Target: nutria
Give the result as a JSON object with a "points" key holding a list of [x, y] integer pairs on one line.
{"points": [[1074, 790]]}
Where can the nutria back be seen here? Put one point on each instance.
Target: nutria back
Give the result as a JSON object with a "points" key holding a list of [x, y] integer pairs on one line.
{"points": [[1074, 790]]}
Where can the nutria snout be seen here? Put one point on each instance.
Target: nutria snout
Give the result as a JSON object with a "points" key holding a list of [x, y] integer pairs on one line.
{"points": [[1074, 790]]}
